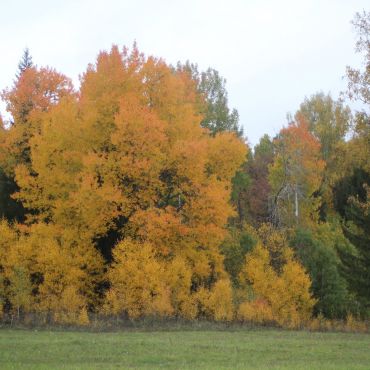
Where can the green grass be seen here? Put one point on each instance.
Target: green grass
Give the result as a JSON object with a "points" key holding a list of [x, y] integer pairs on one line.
{"points": [[239, 349]]}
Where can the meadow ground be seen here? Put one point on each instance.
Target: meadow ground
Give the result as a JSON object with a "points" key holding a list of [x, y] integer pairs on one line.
{"points": [[183, 349]]}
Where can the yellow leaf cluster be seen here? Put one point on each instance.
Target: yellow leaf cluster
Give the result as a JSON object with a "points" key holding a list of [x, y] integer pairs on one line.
{"points": [[286, 294]]}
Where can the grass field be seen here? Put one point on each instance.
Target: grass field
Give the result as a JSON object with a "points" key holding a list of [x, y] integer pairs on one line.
{"points": [[240, 349]]}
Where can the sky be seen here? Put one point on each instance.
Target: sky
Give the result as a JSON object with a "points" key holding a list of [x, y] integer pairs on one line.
{"points": [[273, 54]]}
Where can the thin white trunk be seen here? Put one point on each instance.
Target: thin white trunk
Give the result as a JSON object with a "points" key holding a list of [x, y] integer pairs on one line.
{"points": [[296, 204]]}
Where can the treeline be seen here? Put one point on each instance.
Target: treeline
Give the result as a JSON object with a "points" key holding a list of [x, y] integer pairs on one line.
{"points": [[136, 195]]}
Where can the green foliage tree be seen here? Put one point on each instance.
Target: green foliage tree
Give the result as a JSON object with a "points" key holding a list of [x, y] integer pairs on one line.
{"points": [[217, 116], [328, 120], [323, 265], [239, 195], [351, 192], [259, 191], [353, 203], [234, 249]]}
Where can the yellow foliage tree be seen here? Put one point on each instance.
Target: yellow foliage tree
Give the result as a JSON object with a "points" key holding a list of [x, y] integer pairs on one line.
{"points": [[220, 301], [179, 279], [15, 270], [258, 311], [126, 156], [47, 273], [138, 284], [286, 295]]}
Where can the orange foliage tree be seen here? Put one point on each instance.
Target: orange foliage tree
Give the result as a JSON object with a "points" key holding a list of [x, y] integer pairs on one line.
{"points": [[127, 156], [34, 91], [295, 175]]}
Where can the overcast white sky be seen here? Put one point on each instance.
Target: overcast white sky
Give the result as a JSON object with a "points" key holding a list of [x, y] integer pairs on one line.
{"points": [[272, 53]]}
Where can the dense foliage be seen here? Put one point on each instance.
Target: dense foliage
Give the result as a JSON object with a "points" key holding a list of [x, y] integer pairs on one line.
{"points": [[136, 195]]}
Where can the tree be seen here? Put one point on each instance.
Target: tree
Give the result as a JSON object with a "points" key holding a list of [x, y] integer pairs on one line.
{"points": [[328, 120], [351, 192], [239, 195], [323, 264], [352, 202], [10, 209], [295, 175], [359, 81], [260, 189], [45, 271], [130, 161], [34, 92], [132, 291], [234, 248], [217, 116], [20, 290], [285, 295], [25, 62], [212, 105], [357, 231], [7, 240]]}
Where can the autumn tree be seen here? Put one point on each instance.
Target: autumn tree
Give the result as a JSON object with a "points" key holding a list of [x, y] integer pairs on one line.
{"points": [[7, 240], [283, 297], [212, 103], [295, 175], [34, 91], [138, 282], [130, 161]]}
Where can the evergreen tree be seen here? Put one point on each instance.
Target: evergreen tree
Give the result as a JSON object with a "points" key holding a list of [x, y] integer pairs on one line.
{"points": [[358, 232], [25, 62], [323, 265], [352, 201]]}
